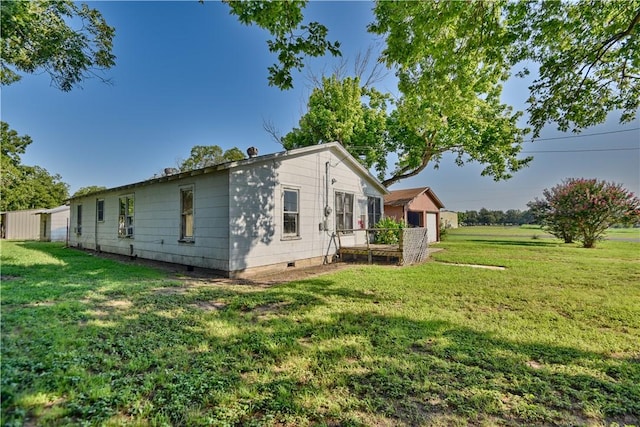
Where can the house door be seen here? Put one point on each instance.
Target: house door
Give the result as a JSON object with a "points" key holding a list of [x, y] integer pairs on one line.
{"points": [[415, 219]]}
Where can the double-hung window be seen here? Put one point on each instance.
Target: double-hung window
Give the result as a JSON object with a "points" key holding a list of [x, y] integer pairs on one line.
{"points": [[290, 213], [125, 217], [79, 220], [344, 211], [374, 210], [186, 214], [100, 210]]}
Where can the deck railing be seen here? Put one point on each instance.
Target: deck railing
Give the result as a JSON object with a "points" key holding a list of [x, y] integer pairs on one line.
{"points": [[412, 246]]}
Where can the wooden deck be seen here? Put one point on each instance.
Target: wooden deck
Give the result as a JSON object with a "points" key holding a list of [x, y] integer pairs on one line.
{"points": [[372, 250], [411, 248]]}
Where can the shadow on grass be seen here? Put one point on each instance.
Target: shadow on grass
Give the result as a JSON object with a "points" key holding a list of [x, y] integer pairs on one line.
{"points": [[309, 352]]}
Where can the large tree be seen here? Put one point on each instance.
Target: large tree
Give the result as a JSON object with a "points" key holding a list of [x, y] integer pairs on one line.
{"points": [[452, 58], [26, 187], [344, 111], [586, 52], [69, 41], [360, 118], [583, 209]]}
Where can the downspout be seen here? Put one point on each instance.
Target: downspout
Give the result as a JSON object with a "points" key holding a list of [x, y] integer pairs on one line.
{"points": [[326, 192], [327, 211]]}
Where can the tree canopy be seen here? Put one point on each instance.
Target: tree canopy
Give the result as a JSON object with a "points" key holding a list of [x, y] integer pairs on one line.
{"points": [[586, 52], [38, 35], [26, 187], [292, 38], [452, 58], [209, 155], [362, 120], [88, 190]]}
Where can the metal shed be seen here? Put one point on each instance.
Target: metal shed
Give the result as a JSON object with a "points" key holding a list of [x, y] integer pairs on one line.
{"points": [[20, 225]]}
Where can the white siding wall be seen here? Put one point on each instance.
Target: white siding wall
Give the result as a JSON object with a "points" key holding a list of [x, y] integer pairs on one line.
{"points": [[256, 200], [238, 213], [53, 225], [157, 222], [58, 226]]}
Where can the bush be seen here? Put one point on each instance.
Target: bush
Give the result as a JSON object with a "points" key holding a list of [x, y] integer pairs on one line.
{"points": [[391, 234], [583, 209], [444, 230]]}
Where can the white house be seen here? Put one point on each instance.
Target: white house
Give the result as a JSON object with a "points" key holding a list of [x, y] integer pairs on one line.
{"points": [[266, 212], [54, 224]]}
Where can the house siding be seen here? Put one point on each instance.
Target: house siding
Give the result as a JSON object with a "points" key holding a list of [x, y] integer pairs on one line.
{"points": [[157, 222], [256, 233], [53, 224], [238, 212]]}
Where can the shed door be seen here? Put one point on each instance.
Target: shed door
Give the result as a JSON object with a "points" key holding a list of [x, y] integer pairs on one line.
{"points": [[432, 227]]}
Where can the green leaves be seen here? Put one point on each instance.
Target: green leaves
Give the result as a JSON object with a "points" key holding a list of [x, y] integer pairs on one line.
{"points": [[291, 41], [37, 35], [210, 155], [588, 53], [342, 110], [26, 187], [584, 209]]}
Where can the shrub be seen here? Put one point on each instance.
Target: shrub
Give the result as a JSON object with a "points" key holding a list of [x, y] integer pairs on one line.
{"points": [[583, 209], [391, 233]]}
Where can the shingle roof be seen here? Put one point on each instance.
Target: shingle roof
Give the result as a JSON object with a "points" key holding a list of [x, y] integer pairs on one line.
{"points": [[402, 197]]}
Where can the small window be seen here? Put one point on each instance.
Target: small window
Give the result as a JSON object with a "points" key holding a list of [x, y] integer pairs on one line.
{"points": [[100, 210], [125, 217], [186, 214], [79, 220], [344, 211], [291, 213]]}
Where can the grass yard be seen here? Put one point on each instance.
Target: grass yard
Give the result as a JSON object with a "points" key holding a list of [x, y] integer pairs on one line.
{"points": [[535, 231], [554, 339]]}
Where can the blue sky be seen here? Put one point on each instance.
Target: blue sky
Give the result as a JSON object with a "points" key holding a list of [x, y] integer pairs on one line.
{"points": [[190, 74]]}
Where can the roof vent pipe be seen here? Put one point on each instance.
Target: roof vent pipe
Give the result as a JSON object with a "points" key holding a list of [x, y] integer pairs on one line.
{"points": [[252, 152]]}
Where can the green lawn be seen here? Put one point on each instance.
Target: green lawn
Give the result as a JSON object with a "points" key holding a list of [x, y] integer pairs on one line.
{"points": [[552, 339], [535, 231]]}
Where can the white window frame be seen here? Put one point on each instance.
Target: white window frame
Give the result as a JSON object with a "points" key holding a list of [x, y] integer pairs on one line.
{"points": [[99, 218], [293, 213], [184, 215], [371, 222], [344, 217], [126, 219]]}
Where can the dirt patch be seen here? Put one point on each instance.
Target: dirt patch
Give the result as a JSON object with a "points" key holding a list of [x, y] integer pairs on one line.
{"points": [[119, 304], [486, 267], [191, 276], [534, 365], [209, 305]]}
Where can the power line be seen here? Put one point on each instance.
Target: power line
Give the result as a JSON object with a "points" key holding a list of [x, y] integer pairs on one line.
{"points": [[580, 151], [582, 135]]}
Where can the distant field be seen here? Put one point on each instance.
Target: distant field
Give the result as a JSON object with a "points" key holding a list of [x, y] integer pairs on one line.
{"points": [[550, 340], [535, 231]]}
